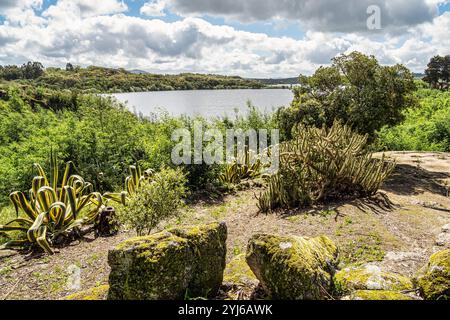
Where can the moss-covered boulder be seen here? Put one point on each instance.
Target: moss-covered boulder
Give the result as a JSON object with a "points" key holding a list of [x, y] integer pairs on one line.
{"points": [[169, 265], [434, 279], [369, 278], [377, 295], [94, 294], [293, 268], [238, 272]]}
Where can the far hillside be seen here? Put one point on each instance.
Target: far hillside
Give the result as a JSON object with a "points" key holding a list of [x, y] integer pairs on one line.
{"points": [[106, 80]]}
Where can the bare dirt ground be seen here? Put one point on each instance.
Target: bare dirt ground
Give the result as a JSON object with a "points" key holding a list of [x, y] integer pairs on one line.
{"points": [[398, 230]]}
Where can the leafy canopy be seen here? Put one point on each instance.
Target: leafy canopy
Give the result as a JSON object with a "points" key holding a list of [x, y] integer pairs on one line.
{"points": [[355, 90]]}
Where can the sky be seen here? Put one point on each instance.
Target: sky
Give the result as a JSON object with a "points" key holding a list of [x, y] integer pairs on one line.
{"points": [[250, 38]]}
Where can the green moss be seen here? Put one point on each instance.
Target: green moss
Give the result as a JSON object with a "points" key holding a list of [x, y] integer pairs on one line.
{"points": [[168, 264], [5, 271], [293, 268], [97, 293], [369, 278], [434, 279], [238, 271], [363, 250], [377, 295]]}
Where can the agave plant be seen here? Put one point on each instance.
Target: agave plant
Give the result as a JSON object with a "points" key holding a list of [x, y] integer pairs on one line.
{"points": [[241, 168], [132, 184], [52, 210]]}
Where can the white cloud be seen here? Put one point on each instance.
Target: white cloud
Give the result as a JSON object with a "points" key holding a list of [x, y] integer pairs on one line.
{"points": [[64, 9], [20, 12], [326, 15], [86, 34], [154, 8]]}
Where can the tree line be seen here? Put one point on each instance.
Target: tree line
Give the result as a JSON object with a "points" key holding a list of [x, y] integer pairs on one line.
{"points": [[95, 79], [29, 70]]}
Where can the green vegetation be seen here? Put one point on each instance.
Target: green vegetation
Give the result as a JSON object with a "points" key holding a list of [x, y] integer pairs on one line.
{"points": [[434, 279], [29, 71], [426, 128], [321, 165], [93, 294], [51, 110], [97, 134], [156, 199], [355, 90], [246, 166], [363, 249], [378, 295], [56, 208], [103, 80], [369, 277], [438, 72]]}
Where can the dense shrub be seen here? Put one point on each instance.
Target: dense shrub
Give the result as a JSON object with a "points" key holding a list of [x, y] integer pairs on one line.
{"points": [[355, 90], [426, 128], [321, 165], [157, 199]]}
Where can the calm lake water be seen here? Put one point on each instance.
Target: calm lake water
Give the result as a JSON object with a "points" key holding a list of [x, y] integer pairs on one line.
{"points": [[207, 103]]}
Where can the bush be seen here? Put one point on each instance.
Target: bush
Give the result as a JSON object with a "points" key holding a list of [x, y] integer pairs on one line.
{"points": [[157, 199], [322, 165], [355, 90], [425, 129]]}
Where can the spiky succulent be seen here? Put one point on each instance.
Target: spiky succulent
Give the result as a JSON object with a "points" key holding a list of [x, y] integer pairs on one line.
{"points": [[322, 164], [54, 208]]}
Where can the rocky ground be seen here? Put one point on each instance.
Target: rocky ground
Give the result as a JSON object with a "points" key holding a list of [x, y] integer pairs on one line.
{"points": [[397, 230]]}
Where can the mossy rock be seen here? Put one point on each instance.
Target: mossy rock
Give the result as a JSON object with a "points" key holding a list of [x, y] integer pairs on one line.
{"points": [[434, 279], [369, 278], [95, 294], [293, 268], [169, 265], [377, 295], [238, 272]]}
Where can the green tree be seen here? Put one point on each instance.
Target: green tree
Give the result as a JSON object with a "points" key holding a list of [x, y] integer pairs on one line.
{"points": [[69, 67], [438, 72], [355, 90], [32, 70], [11, 73]]}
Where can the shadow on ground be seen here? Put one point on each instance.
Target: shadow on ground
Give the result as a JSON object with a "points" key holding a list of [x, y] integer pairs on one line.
{"points": [[413, 180]]}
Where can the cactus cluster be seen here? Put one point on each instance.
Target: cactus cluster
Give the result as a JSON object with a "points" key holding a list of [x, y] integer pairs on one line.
{"points": [[323, 164]]}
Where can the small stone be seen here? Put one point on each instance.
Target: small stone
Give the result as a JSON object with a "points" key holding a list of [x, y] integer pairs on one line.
{"points": [[443, 240], [446, 228]]}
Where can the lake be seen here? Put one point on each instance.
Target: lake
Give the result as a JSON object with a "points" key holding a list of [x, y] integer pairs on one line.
{"points": [[206, 103]]}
